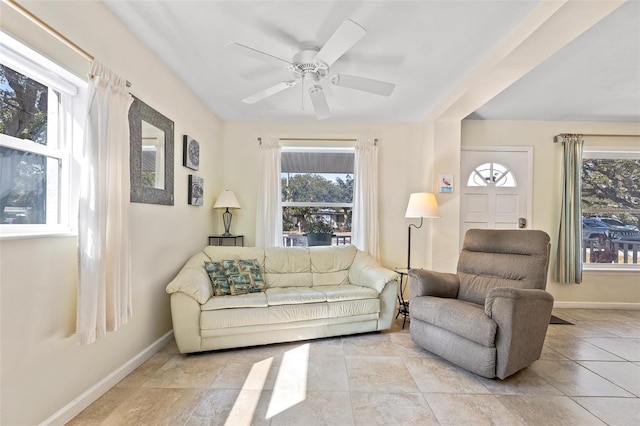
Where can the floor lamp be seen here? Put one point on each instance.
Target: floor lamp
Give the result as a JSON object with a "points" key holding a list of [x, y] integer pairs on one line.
{"points": [[226, 200], [422, 205]]}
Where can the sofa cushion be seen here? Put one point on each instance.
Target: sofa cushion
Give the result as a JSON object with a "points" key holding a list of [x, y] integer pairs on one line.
{"points": [[249, 300], [287, 267], [465, 319], [300, 312], [334, 293], [293, 295], [227, 318], [219, 253], [347, 308], [330, 265], [321, 279], [331, 259]]}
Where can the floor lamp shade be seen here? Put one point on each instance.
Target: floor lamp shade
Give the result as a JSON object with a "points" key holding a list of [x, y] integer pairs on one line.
{"points": [[226, 200], [422, 205]]}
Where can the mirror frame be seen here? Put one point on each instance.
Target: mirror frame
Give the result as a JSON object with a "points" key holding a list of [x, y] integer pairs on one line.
{"points": [[138, 112]]}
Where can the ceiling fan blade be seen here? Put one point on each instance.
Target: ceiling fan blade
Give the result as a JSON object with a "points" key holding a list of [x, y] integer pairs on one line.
{"points": [[319, 101], [254, 53], [365, 84], [256, 97], [347, 34]]}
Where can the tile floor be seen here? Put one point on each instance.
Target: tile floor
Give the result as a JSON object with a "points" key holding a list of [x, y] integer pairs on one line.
{"points": [[589, 374]]}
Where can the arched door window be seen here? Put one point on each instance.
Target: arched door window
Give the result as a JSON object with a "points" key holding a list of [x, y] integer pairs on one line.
{"points": [[492, 174]]}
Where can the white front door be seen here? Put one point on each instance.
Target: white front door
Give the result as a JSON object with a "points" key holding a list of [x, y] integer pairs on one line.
{"points": [[496, 188]]}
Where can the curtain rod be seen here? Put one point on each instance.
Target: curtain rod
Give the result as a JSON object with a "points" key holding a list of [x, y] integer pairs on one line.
{"points": [[52, 31], [558, 138], [375, 141]]}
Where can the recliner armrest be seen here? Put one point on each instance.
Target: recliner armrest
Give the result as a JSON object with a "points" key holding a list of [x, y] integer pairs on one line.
{"points": [[515, 294], [431, 283], [522, 316]]}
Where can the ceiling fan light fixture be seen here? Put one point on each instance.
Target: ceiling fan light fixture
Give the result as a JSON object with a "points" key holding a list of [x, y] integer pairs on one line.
{"points": [[311, 66]]}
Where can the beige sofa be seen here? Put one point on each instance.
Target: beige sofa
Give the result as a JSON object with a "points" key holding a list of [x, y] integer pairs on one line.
{"points": [[310, 293]]}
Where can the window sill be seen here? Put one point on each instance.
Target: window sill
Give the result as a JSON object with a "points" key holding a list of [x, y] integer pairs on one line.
{"points": [[31, 232], [609, 268]]}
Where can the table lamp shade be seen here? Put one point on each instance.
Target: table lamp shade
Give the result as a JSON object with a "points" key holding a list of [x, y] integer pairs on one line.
{"points": [[422, 204], [226, 200]]}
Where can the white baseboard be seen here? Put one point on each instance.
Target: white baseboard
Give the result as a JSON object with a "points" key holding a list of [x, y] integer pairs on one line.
{"points": [[86, 398], [597, 305]]}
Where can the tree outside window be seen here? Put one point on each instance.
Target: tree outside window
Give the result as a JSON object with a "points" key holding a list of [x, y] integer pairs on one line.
{"points": [[610, 208]]}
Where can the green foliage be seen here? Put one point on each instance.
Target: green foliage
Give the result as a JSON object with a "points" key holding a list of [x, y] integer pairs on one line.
{"points": [[611, 188], [312, 188], [148, 178], [319, 226], [23, 106]]}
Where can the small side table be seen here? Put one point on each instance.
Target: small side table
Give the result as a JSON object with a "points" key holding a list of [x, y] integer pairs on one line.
{"points": [[220, 239], [403, 304]]}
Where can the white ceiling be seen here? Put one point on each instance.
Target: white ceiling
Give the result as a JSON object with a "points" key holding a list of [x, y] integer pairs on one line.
{"points": [[426, 48], [596, 77]]}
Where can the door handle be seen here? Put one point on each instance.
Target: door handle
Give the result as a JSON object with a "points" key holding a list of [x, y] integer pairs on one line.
{"points": [[522, 223]]}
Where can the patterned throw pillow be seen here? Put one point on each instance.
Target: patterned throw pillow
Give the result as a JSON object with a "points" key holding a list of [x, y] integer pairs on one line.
{"points": [[234, 277], [219, 278], [252, 266]]}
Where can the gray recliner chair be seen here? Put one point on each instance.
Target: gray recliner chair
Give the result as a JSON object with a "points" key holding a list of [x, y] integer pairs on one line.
{"points": [[491, 317]]}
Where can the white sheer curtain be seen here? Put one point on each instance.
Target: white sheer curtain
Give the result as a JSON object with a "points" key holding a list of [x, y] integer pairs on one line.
{"points": [[364, 227], [104, 292], [269, 204]]}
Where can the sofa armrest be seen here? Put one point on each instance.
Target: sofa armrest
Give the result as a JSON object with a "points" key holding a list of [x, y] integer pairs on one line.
{"points": [[431, 283], [193, 280], [522, 316], [365, 271]]}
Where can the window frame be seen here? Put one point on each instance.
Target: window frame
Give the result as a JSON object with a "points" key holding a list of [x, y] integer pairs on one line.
{"points": [[611, 153], [65, 132], [313, 149]]}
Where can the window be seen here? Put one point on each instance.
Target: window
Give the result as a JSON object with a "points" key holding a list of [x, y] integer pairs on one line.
{"points": [[610, 207], [37, 101], [317, 194], [492, 174]]}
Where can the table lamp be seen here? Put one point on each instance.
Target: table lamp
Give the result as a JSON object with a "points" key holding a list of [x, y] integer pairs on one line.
{"points": [[226, 200], [422, 205]]}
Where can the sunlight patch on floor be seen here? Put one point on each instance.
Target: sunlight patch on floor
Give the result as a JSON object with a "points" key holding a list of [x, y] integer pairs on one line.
{"points": [[291, 384], [244, 408]]}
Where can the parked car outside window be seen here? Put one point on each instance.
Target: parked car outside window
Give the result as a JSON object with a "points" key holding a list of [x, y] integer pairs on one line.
{"points": [[592, 228]]}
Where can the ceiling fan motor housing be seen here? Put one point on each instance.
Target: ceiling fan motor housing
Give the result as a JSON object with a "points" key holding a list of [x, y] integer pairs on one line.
{"points": [[306, 67]]}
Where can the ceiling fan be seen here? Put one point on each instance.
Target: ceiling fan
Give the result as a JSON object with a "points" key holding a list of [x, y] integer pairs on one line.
{"points": [[312, 65]]}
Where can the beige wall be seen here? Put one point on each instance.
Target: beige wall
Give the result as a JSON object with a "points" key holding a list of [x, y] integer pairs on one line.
{"points": [[42, 367], [404, 166], [597, 286]]}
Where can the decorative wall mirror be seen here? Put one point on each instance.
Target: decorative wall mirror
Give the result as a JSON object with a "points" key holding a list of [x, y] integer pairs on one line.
{"points": [[151, 155]]}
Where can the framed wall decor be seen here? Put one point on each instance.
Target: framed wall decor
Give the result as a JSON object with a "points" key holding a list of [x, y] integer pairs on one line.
{"points": [[445, 183], [196, 190], [151, 155], [191, 153]]}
